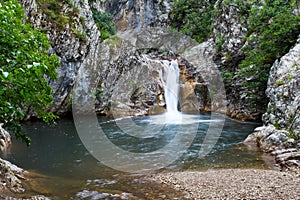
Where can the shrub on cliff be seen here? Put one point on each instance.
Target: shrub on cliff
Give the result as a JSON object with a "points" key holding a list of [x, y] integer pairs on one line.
{"points": [[25, 69], [104, 22], [192, 17], [273, 30]]}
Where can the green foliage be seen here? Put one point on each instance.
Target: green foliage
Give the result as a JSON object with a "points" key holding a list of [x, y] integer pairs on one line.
{"points": [[105, 24], [80, 34], [273, 29], [192, 17], [114, 41], [219, 42], [227, 76], [25, 66], [243, 6], [279, 82], [276, 125], [54, 10], [293, 135]]}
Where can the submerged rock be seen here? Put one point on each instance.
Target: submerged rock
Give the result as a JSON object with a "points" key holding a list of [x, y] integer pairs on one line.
{"points": [[98, 195]]}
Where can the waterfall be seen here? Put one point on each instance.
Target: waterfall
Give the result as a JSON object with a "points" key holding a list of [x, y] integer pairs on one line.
{"points": [[171, 85]]}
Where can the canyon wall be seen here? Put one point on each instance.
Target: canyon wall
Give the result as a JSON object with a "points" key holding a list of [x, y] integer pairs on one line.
{"points": [[81, 50]]}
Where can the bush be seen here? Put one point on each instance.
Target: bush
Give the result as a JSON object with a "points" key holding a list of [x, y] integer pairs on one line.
{"points": [[192, 17], [273, 30], [25, 66], [104, 22]]}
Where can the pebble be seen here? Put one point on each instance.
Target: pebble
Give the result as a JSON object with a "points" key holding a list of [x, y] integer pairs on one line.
{"points": [[233, 184]]}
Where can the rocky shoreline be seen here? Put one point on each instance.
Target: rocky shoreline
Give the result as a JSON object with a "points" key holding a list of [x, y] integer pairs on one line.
{"points": [[11, 177]]}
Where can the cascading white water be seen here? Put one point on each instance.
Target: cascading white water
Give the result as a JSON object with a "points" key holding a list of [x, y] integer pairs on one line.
{"points": [[171, 85]]}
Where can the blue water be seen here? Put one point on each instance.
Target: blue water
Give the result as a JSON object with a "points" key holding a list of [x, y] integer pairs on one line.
{"points": [[70, 170]]}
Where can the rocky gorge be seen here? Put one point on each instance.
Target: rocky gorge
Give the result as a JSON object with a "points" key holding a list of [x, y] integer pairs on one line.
{"points": [[122, 74], [280, 133], [135, 22]]}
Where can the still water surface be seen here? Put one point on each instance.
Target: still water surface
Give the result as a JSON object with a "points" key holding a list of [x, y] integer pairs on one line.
{"points": [[66, 170]]}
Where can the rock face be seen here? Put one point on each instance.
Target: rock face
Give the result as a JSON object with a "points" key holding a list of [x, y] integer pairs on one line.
{"points": [[122, 73], [5, 140], [128, 76], [281, 131], [10, 176], [128, 80], [229, 38], [284, 92], [76, 44], [81, 51], [130, 14], [229, 31]]}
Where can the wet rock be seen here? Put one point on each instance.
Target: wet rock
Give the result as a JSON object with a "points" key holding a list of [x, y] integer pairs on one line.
{"points": [[207, 74], [189, 102], [156, 109]]}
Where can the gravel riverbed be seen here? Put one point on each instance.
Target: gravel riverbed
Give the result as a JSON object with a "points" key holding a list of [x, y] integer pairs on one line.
{"points": [[233, 184]]}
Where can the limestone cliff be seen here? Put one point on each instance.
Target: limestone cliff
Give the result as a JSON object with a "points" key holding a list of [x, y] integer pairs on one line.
{"points": [[77, 41], [130, 14], [281, 131], [119, 61]]}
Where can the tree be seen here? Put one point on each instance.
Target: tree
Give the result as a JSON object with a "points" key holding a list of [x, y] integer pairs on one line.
{"points": [[25, 69]]}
